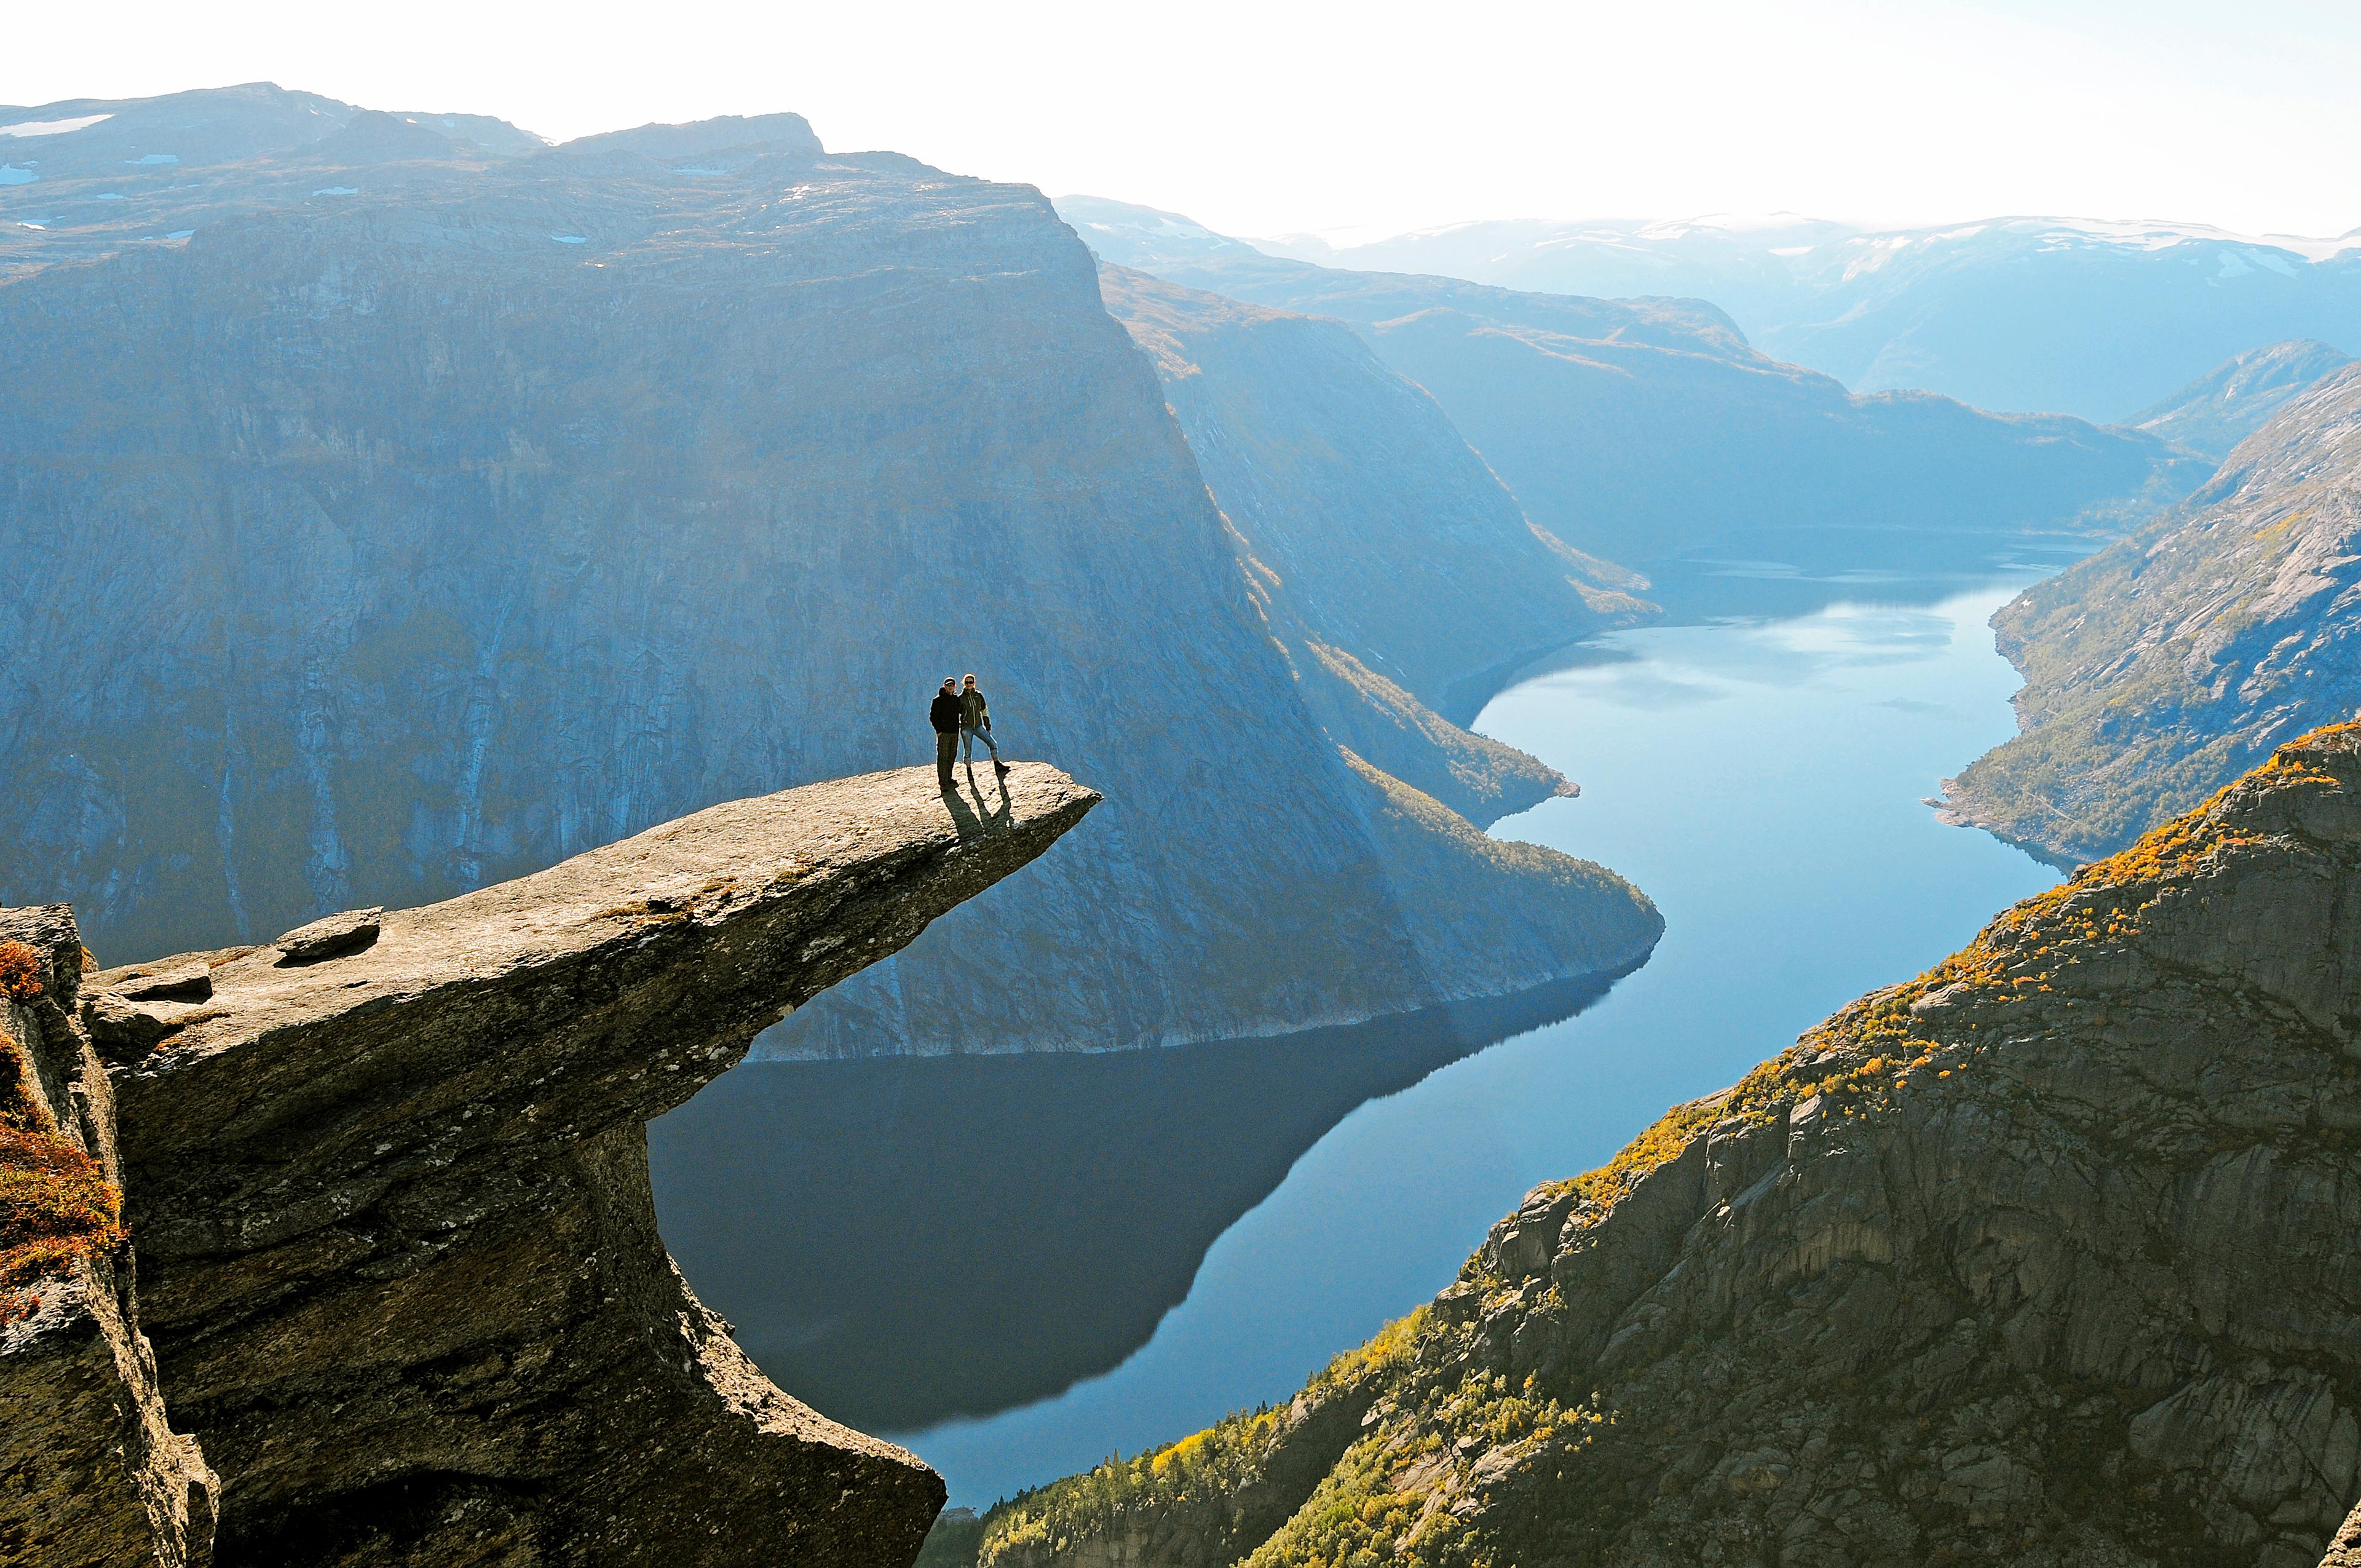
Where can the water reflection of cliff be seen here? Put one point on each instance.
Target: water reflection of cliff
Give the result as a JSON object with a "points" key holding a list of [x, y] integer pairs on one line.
{"points": [[900, 1241]]}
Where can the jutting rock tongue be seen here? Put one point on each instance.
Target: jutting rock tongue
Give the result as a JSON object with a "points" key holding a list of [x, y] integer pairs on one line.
{"points": [[2049, 1256], [388, 1189]]}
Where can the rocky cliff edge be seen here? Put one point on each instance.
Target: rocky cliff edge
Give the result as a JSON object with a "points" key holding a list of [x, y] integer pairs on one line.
{"points": [[2051, 1255], [385, 1183]]}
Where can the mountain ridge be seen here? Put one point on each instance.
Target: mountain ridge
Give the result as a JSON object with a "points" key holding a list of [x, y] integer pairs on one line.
{"points": [[2169, 662], [1649, 433], [2214, 413], [1396, 569], [2042, 1256], [511, 544], [2020, 312]]}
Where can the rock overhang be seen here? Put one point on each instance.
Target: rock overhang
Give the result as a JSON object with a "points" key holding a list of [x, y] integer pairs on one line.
{"points": [[386, 1180]]}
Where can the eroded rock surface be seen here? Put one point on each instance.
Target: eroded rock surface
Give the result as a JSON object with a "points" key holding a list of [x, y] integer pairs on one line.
{"points": [[91, 1476], [392, 1215], [2051, 1255]]}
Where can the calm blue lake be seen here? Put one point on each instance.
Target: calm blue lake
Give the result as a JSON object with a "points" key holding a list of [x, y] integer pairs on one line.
{"points": [[1017, 1267]]}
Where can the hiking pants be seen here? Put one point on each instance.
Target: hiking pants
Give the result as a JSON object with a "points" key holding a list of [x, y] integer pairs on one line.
{"points": [[945, 754]]}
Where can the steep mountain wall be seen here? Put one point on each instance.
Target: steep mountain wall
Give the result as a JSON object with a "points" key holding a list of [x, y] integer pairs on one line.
{"points": [[1385, 533], [2163, 666], [2050, 1256], [1648, 431], [475, 513], [2214, 413]]}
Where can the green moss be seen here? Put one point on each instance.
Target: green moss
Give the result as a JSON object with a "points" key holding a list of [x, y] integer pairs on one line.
{"points": [[1200, 1475]]}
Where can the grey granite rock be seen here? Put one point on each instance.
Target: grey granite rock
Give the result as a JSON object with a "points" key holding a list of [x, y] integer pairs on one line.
{"points": [[92, 1474], [2049, 1256], [392, 1218], [162, 982], [2160, 668], [329, 937]]}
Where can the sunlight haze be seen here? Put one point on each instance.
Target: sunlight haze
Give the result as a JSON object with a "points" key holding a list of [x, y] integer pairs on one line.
{"points": [[1366, 121]]}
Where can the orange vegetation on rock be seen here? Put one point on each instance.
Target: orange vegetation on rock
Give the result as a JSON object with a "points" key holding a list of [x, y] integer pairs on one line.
{"points": [[20, 971], [55, 1204]]}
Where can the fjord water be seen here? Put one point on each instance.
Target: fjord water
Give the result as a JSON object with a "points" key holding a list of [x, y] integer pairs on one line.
{"points": [[1762, 780]]}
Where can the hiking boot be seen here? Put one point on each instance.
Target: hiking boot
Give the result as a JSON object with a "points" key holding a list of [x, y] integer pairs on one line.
{"points": [[1000, 767]]}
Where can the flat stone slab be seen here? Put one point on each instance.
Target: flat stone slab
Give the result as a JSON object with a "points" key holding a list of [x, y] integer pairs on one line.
{"points": [[406, 1182], [330, 935]]}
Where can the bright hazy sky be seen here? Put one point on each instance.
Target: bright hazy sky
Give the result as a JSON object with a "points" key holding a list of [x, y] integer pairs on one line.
{"points": [[1270, 116]]}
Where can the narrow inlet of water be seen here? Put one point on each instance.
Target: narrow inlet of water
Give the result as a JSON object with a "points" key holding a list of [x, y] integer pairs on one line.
{"points": [[984, 1257]]}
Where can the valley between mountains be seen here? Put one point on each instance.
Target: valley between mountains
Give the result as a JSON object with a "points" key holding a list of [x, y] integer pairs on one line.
{"points": [[472, 605]]}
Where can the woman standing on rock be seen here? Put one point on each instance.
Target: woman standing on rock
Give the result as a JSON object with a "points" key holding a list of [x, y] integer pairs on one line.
{"points": [[975, 724]]}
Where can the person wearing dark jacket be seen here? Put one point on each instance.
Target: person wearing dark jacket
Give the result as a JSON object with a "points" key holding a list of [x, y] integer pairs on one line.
{"points": [[975, 724], [943, 713]]}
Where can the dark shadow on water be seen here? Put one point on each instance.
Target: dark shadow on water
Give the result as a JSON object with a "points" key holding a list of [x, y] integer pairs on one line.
{"points": [[901, 1240]]}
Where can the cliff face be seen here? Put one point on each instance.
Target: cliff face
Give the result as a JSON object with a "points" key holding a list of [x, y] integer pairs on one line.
{"points": [[1648, 431], [2214, 413], [2048, 1255], [2166, 664], [386, 1180], [1382, 532], [92, 1474], [472, 510]]}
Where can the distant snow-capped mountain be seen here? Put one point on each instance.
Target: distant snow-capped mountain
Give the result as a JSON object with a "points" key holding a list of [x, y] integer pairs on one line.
{"points": [[2095, 317]]}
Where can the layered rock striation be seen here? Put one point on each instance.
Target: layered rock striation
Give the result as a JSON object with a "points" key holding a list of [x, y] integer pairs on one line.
{"points": [[410, 1184], [2162, 667], [386, 1180], [92, 1474], [2048, 1255]]}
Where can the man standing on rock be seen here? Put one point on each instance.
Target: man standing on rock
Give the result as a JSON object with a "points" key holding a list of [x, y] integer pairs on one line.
{"points": [[943, 713], [975, 724]]}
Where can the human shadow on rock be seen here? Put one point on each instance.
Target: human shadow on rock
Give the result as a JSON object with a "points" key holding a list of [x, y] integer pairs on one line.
{"points": [[901, 1241]]}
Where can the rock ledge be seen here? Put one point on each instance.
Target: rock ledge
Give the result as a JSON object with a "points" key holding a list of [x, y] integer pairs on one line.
{"points": [[390, 1200]]}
